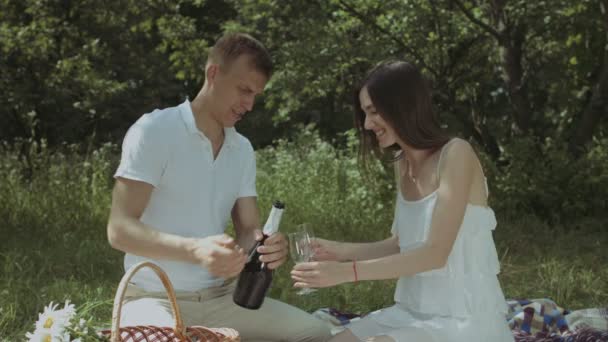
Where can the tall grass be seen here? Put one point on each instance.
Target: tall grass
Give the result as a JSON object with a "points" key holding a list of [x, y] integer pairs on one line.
{"points": [[54, 206], [52, 218]]}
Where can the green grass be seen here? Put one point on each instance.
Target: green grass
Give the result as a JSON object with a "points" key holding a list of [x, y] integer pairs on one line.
{"points": [[53, 244], [564, 263], [568, 267]]}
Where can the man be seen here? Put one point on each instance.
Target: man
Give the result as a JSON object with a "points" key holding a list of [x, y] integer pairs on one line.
{"points": [[183, 172]]}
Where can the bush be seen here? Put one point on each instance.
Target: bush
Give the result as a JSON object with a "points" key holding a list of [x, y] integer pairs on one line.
{"points": [[322, 185], [542, 179]]}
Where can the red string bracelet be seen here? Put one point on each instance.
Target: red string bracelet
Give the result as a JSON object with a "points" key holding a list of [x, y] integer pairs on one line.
{"points": [[355, 270]]}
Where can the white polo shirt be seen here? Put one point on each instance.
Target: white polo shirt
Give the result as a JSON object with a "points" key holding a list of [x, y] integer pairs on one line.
{"points": [[193, 194]]}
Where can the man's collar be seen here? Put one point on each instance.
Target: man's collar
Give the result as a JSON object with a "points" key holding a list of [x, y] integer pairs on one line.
{"points": [[185, 110]]}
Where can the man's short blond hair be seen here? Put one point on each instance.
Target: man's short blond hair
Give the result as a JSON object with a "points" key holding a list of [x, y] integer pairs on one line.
{"points": [[233, 45]]}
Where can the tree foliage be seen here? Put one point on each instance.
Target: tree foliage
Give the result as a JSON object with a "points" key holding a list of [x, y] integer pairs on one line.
{"points": [[501, 68], [527, 82], [71, 69]]}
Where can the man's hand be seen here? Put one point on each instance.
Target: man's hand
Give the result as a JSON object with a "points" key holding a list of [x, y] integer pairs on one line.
{"points": [[220, 255], [274, 251]]}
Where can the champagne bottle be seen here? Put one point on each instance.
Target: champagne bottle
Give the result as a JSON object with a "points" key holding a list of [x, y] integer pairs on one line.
{"points": [[255, 279]]}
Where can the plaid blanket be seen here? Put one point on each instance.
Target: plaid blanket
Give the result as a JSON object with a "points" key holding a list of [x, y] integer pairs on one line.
{"points": [[531, 320], [541, 320], [536, 315]]}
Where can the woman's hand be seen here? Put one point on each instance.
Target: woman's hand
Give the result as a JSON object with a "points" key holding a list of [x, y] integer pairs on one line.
{"points": [[321, 274], [325, 250]]}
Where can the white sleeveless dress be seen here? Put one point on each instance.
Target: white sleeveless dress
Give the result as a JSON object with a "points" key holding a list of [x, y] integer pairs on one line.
{"points": [[462, 301]]}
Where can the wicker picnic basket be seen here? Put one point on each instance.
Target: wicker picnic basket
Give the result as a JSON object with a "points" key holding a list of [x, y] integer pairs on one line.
{"points": [[147, 333]]}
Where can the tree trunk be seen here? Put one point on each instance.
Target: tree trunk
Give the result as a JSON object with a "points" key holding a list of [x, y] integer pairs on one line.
{"points": [[514, 79], [510, 38], [597, 107]]}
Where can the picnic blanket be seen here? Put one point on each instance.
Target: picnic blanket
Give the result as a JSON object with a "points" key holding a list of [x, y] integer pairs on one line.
{"points": [[531, 320], [543, 320]]}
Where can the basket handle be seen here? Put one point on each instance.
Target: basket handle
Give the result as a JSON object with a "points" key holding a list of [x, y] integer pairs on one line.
{"points": [[120, 295]]}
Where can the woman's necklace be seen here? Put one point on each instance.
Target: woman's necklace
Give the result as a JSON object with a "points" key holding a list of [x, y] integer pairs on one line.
{"points": [[410, 172]]}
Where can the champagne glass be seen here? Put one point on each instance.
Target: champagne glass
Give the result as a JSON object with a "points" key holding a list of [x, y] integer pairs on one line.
{"points": [[301, 250]]}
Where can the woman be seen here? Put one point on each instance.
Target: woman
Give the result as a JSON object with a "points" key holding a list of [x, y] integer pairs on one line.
{"points": [[441, 248]]}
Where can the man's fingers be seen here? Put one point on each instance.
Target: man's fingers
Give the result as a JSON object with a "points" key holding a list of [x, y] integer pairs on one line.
{"points": [[234, 271], [227, 262], [228, 267], [234, 259], [272, 249], [276, 238], [269, 258], [225, 241], [229, 250], [275, 264], [268, 249], [258, 235]]}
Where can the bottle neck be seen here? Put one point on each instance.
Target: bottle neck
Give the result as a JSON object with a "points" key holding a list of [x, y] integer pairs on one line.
{"points": [[272, 224]]}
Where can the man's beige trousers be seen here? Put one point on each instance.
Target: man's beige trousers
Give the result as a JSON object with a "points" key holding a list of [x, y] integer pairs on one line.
{"points": [[213, 307]]}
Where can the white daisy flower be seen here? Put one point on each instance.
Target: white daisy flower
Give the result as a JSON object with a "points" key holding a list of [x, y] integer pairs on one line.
{"points": [[52, 323], [40, 335], [47, 318]]}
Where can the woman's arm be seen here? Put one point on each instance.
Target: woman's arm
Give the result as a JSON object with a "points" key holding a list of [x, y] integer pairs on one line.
{"points": [[326, 250], [456, 177]]}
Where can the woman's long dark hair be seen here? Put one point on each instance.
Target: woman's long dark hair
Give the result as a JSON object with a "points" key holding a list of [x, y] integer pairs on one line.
{"points": [[402, 97]]}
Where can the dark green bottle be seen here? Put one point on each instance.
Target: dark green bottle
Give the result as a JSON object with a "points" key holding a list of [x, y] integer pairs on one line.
{"points": [[255, 279]]}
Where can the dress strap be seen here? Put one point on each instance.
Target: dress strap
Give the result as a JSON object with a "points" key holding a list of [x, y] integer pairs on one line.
{"points": [[443, 148], [485, 179]]}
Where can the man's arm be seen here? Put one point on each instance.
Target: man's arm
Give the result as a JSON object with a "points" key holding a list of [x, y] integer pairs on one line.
{"points": [[219, 254], [246, 219]]}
